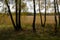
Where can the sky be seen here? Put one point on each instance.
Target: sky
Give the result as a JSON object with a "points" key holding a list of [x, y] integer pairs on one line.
{"points": [[29, 5]]}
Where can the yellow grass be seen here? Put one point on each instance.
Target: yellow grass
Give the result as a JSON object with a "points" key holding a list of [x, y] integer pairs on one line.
{"points": [[26, 19]]}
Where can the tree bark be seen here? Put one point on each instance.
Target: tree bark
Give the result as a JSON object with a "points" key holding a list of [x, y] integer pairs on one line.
{"points": [[40, 14], [55, 17], [20, 15], [45, 15], [18, 23], [34, 19], [58, 12], [10, 14]]}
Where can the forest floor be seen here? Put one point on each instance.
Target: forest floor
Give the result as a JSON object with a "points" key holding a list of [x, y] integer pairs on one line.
{"points": [[7, 31]]}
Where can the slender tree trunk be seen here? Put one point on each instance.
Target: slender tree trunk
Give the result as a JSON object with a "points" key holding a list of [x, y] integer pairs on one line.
{"points": [[18, 22], [40, 14], [58, 12], [34, 19], [45, 15], [20, 15], [55, 17], [16, 15], [10, 14]]}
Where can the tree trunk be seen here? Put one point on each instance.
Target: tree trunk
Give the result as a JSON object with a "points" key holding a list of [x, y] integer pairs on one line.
{"points": [[34, 19], [10, 14], [16, 15], [20, 15], [40, 14], [58, 12], [18, 23], [55, 17], [45, 15]]}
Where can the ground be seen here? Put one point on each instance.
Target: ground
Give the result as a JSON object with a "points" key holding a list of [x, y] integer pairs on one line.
{"points": [[7, 31]]}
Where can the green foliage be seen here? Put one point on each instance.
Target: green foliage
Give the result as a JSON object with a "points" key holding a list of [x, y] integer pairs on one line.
{"points": [[27, 13]]}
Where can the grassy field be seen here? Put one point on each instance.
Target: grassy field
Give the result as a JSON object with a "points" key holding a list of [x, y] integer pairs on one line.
{"points": [[7, 31], [26, 19]]}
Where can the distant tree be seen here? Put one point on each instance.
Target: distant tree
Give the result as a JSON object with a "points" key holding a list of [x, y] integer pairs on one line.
{"points": [[24, 7]]}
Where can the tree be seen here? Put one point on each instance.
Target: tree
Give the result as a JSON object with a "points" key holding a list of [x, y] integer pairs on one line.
{"points": [[45, 15], [23, 6], [6, 1], [58, 11], [40, 14], [20, 15], [16, 14], [55, 16], [18, 23], [34, 19]]}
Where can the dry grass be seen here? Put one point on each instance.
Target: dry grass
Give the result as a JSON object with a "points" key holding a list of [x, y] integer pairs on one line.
{"points": [[26, 19]]}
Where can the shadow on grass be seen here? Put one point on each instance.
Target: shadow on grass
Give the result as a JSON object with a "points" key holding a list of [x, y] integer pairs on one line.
{"points": [[8, 33]]}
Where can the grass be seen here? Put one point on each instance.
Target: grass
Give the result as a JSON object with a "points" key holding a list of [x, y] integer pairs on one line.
{"points": [[7, 31], [5, 19]]}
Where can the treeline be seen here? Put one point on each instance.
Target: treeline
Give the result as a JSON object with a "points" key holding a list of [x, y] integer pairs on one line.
{"points": [[30, 14]]}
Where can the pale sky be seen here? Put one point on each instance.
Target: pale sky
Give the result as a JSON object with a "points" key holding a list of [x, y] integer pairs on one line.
{"points": [[30, 7]]}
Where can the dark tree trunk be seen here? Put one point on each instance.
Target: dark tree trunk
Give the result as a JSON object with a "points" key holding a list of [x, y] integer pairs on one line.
{"points": [[16, 15], [55, 17], [20, 15], [10, 14], [34, 19], [45, 15], [58, 12], [18, 24], [40, 14]]}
